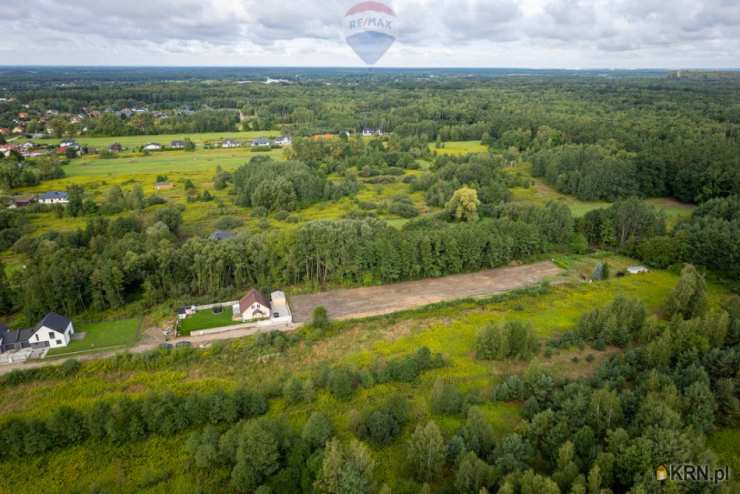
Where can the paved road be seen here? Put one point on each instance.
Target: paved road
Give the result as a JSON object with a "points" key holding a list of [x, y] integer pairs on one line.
{"points": [[355, 303]]}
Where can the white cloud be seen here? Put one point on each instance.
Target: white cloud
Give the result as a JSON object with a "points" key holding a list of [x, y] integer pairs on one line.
{"points": [[541, 33]]}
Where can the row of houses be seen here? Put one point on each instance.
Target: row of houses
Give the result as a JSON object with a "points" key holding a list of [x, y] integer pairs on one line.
{"points": [[47, 198], [53, 331]]}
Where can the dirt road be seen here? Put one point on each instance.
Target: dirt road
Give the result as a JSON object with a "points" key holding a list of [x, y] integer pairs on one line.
{"points": [[376, 300], [355, 303]]}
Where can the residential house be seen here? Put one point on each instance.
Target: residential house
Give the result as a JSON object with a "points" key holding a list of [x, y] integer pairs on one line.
{"points": [[230, 143], [23, 115], [221, 235], [185, 312], [5, 131], [177, 145], [115, 147], [18, 129], [261, 142], [53, 197], [252, 307], [21, 202], [283, 141], [367, 132], [153, 146], [163, 186], [69, 143], [53, 331]]}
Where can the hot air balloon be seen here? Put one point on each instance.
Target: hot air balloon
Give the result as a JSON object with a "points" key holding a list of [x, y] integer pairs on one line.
{"points": [[369, 30]]}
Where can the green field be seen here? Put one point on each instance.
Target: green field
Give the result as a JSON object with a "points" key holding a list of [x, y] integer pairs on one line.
{"points": [[102, 335], [165, 139], [540, 193], [448, 328], [458, 148], [207, 319]]}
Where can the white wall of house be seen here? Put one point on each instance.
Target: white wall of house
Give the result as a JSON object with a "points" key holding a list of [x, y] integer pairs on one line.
{"points": [[54, 338], [254, 312], [53, 201]]}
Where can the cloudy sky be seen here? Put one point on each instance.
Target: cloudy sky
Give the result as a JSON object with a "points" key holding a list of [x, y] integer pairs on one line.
{"points": [[431, 33]]}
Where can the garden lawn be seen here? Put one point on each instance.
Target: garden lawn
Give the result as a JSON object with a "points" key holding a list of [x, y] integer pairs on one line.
{"points": [[207, 319], [101, 335]]}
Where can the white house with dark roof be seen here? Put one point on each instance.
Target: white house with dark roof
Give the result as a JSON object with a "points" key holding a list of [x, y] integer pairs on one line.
{"points": [[152, 146], [53, 331], [53, 197]]}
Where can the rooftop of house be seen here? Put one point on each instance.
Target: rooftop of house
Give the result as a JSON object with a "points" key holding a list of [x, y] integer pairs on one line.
{"points": [[221, 235], [250, 298], [53, 321], [52, 194]]}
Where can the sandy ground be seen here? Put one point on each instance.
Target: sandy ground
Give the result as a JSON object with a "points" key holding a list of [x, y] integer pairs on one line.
{"points": [[376, 300], [355, 303]]}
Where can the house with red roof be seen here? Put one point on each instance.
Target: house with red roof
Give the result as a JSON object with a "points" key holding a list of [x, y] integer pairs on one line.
{"points": [[254, 306]]}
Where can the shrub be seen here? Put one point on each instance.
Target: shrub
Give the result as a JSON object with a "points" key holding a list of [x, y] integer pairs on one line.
{"points": [[317, 430], [512, 340]]}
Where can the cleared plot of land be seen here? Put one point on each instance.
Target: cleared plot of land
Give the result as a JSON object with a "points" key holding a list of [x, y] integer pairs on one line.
{"points": [[377, 300], [102, 335]]}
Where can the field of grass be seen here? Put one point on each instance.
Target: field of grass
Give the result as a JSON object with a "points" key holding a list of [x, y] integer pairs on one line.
{"points": [[165, 139], [102, 335], [541, 193], [457, 148], [207, 319], [448, 328]]}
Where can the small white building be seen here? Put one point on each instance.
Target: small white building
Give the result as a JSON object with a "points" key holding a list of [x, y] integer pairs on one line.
{"points": [[254, 306], [280, 309], [185, 312], [637, 269], [230, 144], [283, 141], [53, 197], [153, 146]]}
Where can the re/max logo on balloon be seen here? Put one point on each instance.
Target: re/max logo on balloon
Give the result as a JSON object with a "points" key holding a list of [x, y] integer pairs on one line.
{"points": [[369, 30], [371, 22]]}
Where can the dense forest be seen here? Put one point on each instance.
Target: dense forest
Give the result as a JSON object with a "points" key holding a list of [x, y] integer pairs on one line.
{"points": [[582, 384]]}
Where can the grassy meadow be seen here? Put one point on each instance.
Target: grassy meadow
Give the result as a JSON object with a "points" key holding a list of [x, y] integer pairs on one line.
{"points": [[450, 328]]}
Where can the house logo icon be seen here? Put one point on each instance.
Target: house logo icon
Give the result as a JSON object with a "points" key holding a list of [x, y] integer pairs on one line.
{"points": [[661, 474]]}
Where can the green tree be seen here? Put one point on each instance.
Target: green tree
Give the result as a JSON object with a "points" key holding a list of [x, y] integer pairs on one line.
{"points": [[463, 206], [427, 451], [346, 469], [317, 430], [688, 298], [75, 195]]}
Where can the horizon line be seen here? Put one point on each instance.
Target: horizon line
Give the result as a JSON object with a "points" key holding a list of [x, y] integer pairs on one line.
{"points": [[356, 67]]}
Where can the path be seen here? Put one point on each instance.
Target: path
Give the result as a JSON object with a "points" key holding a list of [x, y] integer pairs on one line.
{"points": [[355, 303]]}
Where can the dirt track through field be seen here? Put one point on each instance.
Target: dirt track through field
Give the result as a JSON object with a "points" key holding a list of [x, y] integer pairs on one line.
{"points": [[377, 300]]}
